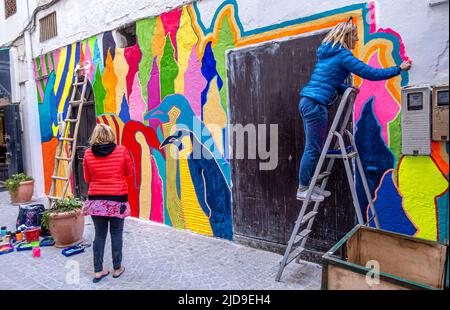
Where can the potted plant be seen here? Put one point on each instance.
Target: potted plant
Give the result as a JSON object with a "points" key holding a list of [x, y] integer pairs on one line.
{"points": [[20, 188], [65, 222]]}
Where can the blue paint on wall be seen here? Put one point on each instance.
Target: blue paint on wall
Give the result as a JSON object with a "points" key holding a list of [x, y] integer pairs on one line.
{"points": [[209, 71], [109, 44], [124, 114], [375, 155], [442, 205], [48, 111], [389, 208]]}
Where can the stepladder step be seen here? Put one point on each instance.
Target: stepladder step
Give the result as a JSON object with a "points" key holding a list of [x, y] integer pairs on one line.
{"points": [[323, 175], [302, 235], [58, 178], [295, 254], [341, 156], [308, 217]]}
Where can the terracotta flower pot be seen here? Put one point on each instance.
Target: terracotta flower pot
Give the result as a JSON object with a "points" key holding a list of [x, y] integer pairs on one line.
{"points": [[24, 193], [66, 228]]}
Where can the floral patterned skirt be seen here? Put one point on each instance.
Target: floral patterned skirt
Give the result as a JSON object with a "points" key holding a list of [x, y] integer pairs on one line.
{"points": [[106, 208]]}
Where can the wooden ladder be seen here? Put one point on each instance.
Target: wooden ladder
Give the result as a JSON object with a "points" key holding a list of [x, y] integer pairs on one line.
{"points": [[65, 139]]}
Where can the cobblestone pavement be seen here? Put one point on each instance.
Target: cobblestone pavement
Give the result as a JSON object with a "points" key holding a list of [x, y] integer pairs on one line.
{"points": [[156, 257]]}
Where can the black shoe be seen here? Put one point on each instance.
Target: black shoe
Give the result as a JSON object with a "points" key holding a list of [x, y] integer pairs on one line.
{"points": [[97, 280]]}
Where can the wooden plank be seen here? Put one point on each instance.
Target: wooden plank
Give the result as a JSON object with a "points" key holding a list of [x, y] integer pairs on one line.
{"points": [[404, 257], [343, 279]]}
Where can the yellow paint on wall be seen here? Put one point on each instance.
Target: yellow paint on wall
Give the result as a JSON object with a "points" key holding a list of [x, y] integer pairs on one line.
{"points": [[186, 40], [215, 117], [145, 194], [194, 217], [121, 69], [173, 204], [159, 41], [110, 83], [68, 82], [420, 182]]}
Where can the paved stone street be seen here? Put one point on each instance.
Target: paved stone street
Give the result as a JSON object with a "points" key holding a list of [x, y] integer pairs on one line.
{"points": [[156, 258]]}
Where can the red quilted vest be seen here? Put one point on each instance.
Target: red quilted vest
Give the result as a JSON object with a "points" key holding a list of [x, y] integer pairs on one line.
{"points": [[108, 175]]}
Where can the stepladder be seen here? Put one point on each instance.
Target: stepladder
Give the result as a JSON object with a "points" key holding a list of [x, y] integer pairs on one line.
{"points": [[69, 125], [335, 148]]}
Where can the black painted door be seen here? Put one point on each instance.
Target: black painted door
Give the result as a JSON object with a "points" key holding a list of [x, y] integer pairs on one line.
{"points": [[87, 125], [264, 83], [13, 140]]}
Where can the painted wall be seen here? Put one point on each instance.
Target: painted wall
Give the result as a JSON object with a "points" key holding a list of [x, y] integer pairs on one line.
{"points": [[176, 75]]}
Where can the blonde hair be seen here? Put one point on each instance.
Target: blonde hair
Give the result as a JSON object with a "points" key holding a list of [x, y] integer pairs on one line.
{"points": [[103, 134], [342, 34]]}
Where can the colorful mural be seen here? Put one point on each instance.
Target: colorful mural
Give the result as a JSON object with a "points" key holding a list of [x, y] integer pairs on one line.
{"points": [[159, 94]]}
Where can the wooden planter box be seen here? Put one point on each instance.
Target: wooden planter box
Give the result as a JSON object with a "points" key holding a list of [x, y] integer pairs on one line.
{"points": [[405, 263]]}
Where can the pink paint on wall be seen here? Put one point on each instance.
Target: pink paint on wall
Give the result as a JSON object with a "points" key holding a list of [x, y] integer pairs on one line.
{"points": [[133, 56], [88, 57], [154, 92], [157, 197], [194, 83], [385, 106], [136, 102], [171, 23], [154, 87]]}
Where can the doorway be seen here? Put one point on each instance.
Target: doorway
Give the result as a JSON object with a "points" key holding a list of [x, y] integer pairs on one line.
{"points": [[11, 161], [264, 83]]}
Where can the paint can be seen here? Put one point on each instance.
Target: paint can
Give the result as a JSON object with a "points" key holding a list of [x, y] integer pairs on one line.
{"points": [[19, 236], [36, 252], [4, 231]]}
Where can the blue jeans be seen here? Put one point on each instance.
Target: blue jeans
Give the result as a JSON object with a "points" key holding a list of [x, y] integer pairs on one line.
{"points": [[315, 120]]}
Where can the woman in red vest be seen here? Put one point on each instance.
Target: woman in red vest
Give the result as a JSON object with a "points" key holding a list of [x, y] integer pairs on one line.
{"points": [[106, 167]]}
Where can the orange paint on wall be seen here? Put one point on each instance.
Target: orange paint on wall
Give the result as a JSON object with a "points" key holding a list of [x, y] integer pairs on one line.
{"points": [[48, 152], [436, 154]]}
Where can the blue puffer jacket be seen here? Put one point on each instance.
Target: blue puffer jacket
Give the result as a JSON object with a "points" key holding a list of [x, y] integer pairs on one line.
{"points": [[334, 65]]}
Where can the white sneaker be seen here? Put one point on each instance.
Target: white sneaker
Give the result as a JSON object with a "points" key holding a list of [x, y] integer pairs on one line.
{"points": [[324, 193], [301, 195]]}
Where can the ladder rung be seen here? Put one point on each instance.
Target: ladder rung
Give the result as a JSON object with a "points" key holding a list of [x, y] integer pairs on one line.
{"points": [[67, 139], [302, 235], [76, 103], [54, 198], [70, 120], [309, 216], [60, 178], [78, 83], [294, 255], [324, 175], [64, 158], [341, 156]]}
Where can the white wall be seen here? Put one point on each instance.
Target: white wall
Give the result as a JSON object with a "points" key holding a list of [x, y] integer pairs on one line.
{"points": [[424, 29], [81, 19], [11, 27]]}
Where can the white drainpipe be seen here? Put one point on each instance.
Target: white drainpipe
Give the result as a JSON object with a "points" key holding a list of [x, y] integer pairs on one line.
{"points": [[32, 131]]}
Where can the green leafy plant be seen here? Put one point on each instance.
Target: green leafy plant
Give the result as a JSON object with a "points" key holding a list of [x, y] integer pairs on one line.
{"points": [[69, 204], [13, 184]]}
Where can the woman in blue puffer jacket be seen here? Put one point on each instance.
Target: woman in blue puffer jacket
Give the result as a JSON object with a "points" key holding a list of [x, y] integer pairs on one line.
{"points": [[335, 63]]}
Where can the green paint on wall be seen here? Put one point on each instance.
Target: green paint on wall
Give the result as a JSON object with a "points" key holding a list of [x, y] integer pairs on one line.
{"points": [[169, 70], [225, 42], [395, 140], [91, 43], [99, 92], [38, 66], [144, 31]]}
